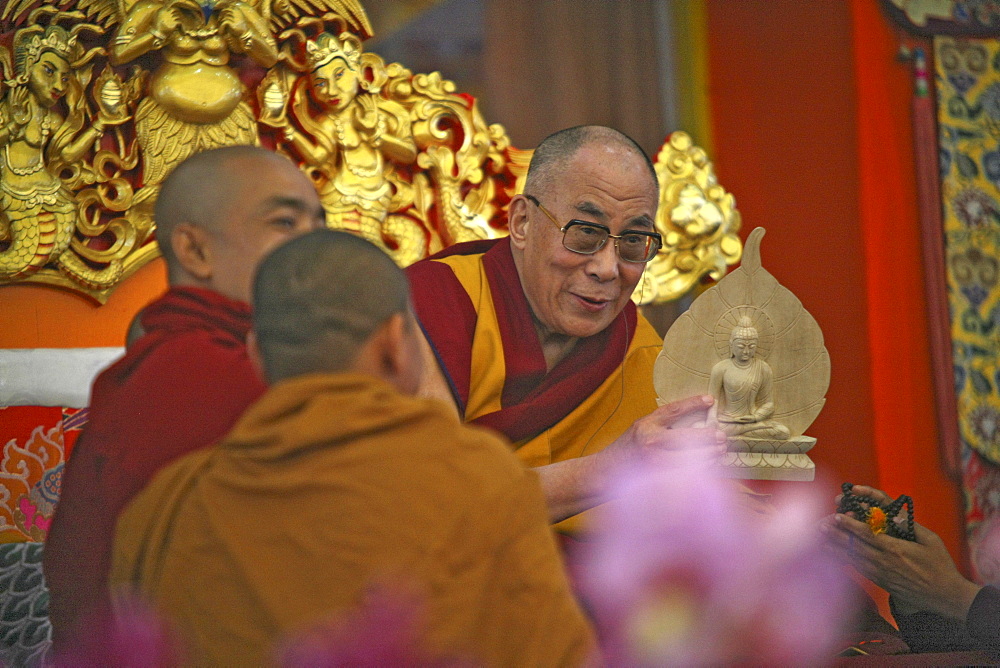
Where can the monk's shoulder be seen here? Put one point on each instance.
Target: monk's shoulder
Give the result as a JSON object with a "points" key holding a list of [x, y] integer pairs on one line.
{"points": [[481, 454]]}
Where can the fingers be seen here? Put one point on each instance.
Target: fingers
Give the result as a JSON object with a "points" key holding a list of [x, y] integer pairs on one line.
{"points": [[925, 536], [877, 494], [683, 413], [652, 436]]}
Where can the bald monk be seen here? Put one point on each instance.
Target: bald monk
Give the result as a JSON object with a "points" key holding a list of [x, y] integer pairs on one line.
{"points": [[338, 477], [536, 336], [182, 385]]}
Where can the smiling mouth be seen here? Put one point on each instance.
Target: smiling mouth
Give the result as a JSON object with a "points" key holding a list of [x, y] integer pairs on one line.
{"points": [[592, 304]]}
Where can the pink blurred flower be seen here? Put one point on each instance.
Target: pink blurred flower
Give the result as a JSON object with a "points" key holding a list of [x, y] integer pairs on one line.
{"points": [[986, 551], [386, 630], [136, 636], [682, 572]]}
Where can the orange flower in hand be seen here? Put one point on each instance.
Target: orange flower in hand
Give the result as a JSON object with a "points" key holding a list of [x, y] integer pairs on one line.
{"points": [[876, 520]]}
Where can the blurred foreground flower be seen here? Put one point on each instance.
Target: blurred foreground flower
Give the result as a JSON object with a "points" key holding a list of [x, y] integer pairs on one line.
{"points": [[136, 637], [386, 630], [986, 552], [681, 572]]}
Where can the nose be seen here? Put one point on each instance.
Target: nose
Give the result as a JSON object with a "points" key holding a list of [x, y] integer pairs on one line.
{"points": [[603, 265]]}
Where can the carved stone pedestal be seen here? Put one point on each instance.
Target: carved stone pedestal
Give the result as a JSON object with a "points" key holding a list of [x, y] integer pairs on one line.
{"points": [[766, 459]]}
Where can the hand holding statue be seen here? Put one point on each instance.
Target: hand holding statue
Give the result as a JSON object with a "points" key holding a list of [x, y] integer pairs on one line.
{"points": [[673, 428], [920, 575]]}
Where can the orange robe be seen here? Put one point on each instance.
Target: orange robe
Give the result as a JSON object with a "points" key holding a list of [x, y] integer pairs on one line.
{"points": [[327, 483]]}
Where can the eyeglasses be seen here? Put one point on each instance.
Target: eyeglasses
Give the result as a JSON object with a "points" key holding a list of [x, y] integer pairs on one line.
{"points": [[587, 238]]}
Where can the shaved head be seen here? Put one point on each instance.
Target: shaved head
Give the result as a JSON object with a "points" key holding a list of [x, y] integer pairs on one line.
{"points": [[220, 211], [320, 297], [555, 151], [199, 188]]}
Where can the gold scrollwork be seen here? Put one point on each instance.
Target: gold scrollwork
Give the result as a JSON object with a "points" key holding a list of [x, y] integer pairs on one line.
{"points": [[401, 159], [698, 220]]}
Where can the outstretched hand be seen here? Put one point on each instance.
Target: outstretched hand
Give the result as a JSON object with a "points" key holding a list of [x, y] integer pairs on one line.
{"points": [[920, 575], [671, 428]]}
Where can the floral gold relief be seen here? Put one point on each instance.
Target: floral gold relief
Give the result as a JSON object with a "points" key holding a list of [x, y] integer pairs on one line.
{"points": [[101, 99]]}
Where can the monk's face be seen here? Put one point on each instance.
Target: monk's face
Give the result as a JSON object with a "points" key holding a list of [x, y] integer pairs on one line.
{"points": [[580, 295], [271, 201]]}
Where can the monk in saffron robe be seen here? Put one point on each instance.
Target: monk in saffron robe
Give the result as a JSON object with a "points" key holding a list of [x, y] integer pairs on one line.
{"points": [[536, 336], [338, 478], [185, 381]]}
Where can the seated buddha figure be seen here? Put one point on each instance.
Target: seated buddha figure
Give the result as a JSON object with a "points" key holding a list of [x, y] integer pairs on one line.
{"points": [[741, 386]]}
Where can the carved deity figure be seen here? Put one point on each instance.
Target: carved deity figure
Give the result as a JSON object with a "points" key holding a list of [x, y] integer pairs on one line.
{"points": [[350, 140], [741, 386], [196, 100], [37, 212]]}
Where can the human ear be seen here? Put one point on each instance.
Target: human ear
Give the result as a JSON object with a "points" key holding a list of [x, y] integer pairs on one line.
{"points": [[256, 358], [394, 347], [193, 250], [517, 221], [398, 359]]}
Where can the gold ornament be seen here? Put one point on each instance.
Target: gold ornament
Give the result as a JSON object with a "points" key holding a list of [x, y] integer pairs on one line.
{"points": [[698, 220], [399, 158]]}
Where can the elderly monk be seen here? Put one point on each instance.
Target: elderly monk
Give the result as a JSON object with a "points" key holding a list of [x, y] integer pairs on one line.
{"points": [[182, 385], [338, 477], [536, 336]]}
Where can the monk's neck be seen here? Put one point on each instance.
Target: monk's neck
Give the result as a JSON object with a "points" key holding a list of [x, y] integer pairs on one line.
{"points": [[555, 347]]}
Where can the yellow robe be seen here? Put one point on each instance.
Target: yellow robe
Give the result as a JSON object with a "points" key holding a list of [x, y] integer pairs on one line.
{"points": [[329, 482], [624, 396]]}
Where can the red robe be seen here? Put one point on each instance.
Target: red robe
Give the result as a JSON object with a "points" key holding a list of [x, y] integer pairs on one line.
{"points": [[180, 387]]}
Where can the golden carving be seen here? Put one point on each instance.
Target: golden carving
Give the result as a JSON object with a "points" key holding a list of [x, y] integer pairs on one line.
{"points": [[41, 145], [698, 220], [401, 159]]}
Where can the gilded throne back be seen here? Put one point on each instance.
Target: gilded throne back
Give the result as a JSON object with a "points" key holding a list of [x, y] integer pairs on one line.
{"points": [[102, 98]]}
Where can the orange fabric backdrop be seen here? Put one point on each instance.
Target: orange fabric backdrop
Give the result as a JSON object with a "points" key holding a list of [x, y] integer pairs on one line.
{"points": [[811, 119], [35, 316], [906, 430]]}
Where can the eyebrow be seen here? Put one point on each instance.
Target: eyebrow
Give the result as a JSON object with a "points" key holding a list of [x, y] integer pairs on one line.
{"points": [[642, 221], [591, 209]]}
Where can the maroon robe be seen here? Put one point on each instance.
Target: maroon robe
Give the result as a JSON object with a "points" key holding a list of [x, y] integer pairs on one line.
{"points": [[179, 387]]}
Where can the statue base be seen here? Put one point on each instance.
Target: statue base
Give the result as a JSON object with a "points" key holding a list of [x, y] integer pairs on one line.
{"points": [[769, 459]]}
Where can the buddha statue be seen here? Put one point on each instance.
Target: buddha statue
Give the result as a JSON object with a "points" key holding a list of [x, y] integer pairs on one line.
{"points": [[761, 354], [741, 386]]}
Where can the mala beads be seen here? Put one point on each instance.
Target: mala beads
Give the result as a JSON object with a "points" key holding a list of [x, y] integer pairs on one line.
{"points": [[880, 518]]}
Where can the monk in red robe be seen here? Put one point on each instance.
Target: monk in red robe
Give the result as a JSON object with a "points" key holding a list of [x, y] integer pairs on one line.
{"points": [[536, 336], [181, 385], [337, 478]]}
